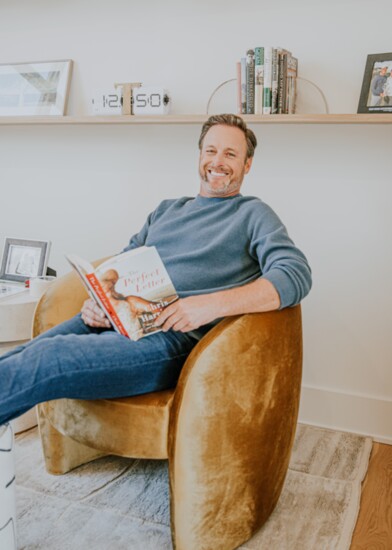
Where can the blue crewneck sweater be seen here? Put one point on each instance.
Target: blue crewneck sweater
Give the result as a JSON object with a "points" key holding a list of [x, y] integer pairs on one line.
{"points": [[212, 244]]}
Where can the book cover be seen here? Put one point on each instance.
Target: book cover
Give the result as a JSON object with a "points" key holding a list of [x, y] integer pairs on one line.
{"points": [[132, 288], [259, 80], [250, 82], [267, 81]]}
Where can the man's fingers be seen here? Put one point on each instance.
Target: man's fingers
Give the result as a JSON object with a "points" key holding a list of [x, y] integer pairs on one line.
{"points": [[181, 326], [182, 315], [172, 322], [164, 316], [177, 322], [93, 316], [174, 319], [92, 322]]}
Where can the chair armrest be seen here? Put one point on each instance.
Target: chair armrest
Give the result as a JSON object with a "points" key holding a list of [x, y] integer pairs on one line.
{"points": [[63, 299], [232, 426]]}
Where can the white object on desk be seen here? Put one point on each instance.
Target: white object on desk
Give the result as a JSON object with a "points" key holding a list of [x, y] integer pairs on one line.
{"points": [[9, 289], [39, 285], [16, 318]]}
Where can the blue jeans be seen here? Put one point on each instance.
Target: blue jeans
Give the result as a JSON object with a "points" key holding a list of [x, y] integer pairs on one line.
{"points": [[76, 361]]}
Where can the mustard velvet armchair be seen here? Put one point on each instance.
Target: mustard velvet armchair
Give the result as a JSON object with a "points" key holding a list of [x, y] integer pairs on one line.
{"points": [[227, 429]]}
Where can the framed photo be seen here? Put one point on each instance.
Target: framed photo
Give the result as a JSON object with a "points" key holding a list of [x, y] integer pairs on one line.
{"points": [[36, 88], [23, 259], [376, 93]]}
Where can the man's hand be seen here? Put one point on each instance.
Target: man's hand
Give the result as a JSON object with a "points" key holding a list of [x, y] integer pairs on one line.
{"points": [[187, 314], [194, 311], [93, 316]]}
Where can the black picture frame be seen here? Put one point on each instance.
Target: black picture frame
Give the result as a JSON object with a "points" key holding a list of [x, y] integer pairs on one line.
{"points": [[368, 102], [23, 259]]}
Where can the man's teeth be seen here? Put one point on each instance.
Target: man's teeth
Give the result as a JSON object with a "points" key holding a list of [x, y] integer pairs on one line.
{"points": [[217, 174]]}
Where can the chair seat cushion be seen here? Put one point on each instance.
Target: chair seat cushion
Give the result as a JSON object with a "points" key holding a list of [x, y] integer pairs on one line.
{"points": [[130, 426]]}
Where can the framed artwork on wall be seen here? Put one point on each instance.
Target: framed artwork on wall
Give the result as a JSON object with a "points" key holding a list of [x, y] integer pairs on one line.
{"points": [[35, 88], [376, 93]]}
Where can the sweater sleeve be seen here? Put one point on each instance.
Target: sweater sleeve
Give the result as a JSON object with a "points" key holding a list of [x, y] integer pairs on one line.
{"points": [[139, 239], [281, 262]]}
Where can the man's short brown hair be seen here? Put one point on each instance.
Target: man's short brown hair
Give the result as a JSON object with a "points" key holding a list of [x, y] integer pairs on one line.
{"points": [[236, 122]]}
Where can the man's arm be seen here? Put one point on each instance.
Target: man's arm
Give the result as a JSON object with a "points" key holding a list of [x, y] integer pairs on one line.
{"points": [[194, 311]]}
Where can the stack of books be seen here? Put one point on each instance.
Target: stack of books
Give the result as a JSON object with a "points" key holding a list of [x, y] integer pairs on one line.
{"points": [[266, 82]]}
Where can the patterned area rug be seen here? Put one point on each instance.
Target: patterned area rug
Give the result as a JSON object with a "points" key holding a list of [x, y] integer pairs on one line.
{"points": [[124, 504]]}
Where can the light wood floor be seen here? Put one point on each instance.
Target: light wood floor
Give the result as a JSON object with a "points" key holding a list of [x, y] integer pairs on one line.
{"points": [[374, 526]]}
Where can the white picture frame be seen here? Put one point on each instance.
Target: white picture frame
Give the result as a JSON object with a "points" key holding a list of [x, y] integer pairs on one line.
{"points": [[35, 88], [23, 259]]}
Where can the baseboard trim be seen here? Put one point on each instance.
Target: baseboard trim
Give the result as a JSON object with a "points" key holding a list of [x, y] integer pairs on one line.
{"points": [[361, 414]]}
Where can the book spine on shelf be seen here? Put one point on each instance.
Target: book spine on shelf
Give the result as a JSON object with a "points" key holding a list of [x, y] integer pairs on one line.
{"points": [[259, 80], [250, 82], [243, 85], [267, 81], [292, 73], [282, 81], [238, 76], [275, 79]]}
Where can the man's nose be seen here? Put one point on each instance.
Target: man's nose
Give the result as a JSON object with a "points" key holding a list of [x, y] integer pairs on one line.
{"points": [[218, 159]]}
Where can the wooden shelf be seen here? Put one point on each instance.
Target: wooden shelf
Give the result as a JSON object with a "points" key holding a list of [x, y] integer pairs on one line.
{"points": [[384, 118]]}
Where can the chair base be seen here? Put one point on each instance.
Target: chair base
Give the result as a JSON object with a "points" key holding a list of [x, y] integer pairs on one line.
{"points": [[61, 453]]}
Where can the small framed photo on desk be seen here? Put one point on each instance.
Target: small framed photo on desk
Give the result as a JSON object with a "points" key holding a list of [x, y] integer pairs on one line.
{"points": [[23, 259]]}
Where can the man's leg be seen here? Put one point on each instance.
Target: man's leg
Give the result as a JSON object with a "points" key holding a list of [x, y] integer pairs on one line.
{"points": [[75, 325], [88, 364]]}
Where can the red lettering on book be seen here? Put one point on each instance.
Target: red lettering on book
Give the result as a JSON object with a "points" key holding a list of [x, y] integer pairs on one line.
{"points": [[106, 302]]}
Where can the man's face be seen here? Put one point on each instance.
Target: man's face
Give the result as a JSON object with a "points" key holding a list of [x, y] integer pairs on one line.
{"points": [[223, 163]]}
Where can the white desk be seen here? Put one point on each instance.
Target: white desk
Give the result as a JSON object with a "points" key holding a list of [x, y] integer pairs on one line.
{"points": [[16, 317]]}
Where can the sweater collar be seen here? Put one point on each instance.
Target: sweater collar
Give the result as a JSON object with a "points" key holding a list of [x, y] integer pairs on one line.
{"points": [[208, 200]]}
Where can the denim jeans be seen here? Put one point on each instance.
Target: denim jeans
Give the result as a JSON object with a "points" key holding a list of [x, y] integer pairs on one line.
{"points": [[76, 361]]}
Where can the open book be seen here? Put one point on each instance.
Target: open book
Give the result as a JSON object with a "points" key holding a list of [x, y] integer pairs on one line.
{"points": [[132, 288]]}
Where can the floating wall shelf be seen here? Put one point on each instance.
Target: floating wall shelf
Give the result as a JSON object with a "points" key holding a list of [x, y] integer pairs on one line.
{"points": [[384, 118]]}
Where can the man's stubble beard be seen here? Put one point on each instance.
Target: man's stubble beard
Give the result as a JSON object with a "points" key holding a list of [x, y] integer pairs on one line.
{"points": [[230, 186]]}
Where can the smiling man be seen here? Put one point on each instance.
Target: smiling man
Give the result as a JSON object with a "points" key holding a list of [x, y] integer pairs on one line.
{"points": [[226, 254], [224, 159], [251, 262]]}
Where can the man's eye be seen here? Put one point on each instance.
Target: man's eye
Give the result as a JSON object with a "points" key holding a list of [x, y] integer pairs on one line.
{"points": [[232, 155]]}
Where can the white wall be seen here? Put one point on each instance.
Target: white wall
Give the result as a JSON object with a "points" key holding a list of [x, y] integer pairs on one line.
{"points": [[89, 188]]}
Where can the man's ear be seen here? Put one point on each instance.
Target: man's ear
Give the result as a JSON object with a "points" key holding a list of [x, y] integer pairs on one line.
{"points": [[248, 164]]}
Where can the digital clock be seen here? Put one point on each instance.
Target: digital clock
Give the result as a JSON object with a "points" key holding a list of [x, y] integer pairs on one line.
{"points": [[107, 102], [146, 100], [150, 100]]}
